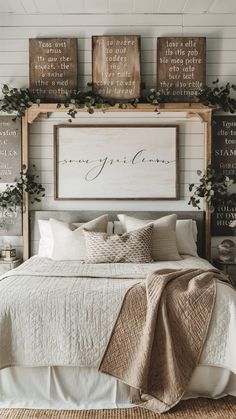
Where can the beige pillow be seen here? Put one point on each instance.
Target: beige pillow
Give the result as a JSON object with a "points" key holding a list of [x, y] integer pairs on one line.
{"points": [[164, 246], [133, 247], [70, 244]]}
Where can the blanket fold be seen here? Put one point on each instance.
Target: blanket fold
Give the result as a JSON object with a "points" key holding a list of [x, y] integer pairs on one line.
{"points": [[160, 332]]}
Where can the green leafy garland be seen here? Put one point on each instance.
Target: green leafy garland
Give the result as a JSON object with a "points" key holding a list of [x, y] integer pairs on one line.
{"points": [[19, 100], [213, 189], [218, 96], [12, 198]]}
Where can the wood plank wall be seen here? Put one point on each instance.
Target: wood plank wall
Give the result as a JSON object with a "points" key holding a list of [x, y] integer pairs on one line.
{"points": [[15, 30]]}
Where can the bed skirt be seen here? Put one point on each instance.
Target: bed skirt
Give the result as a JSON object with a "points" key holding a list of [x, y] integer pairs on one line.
{"points": [[86, 388]]}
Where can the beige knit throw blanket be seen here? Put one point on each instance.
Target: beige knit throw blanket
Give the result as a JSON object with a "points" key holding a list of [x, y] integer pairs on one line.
{"points": [[160, 332]]}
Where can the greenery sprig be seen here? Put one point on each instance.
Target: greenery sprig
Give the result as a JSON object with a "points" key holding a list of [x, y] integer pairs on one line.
{"points": [[218, 96], [16, 100], [213, 189], [12, 198], [19, 100]]}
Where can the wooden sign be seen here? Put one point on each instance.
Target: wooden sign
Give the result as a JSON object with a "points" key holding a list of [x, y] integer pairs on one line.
{"points": [[53, 68], [221, 219], [224, 145], [121, 162], [11, 224], [10, 149], [116, 66], [181, 67]]}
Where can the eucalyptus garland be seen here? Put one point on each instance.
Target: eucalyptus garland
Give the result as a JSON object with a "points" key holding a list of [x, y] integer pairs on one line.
{"points": [[218, 96], [19, 100], [12, 198]]}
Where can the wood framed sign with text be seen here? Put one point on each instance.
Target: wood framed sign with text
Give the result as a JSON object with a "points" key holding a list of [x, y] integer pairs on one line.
{"points": [[223, 154], [181, 67], [116, 162], [116, 66], [10, 149], [220, 220], [53, 68], [224, 145]]}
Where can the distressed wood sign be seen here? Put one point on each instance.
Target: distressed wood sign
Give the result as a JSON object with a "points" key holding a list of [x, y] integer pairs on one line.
{"points": [[10, 149], [220, 220], [115, 162], [224, 145], [53, 68], [181, 67], [11, 223], [116, 66]]}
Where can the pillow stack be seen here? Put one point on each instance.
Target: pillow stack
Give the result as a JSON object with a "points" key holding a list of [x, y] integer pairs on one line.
{"points": [[63, 241], [137, 241], [164, 245]]}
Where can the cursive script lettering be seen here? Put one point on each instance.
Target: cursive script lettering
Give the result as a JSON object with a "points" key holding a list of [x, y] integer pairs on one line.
{"points": [[99, 165]]}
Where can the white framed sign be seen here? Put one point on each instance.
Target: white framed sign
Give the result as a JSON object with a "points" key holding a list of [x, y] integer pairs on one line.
{"points": [[115, 162]]}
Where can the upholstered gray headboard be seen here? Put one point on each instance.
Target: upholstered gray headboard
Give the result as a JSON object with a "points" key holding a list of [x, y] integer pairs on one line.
{"points": [[84, 216]]}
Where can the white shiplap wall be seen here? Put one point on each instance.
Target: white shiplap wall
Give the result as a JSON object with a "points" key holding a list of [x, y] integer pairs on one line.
{"points": [[100, 17]]}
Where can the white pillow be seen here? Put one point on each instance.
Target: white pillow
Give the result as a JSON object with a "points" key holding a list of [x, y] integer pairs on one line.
{"points": [[46, 241], [164, 245], [186, 235], [70, 244]]}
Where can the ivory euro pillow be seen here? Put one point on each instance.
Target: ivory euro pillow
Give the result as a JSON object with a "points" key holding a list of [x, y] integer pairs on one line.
{"points": [[164, 244], [70, 244], [186, 236], [45, 247]]}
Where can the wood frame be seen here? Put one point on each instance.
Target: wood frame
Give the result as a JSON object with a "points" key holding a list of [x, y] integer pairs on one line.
{"points": [[204, 113], [55, 138]]}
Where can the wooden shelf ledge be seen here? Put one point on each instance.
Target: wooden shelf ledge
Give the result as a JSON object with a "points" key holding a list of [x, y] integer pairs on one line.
{"points": [[192, 109]]}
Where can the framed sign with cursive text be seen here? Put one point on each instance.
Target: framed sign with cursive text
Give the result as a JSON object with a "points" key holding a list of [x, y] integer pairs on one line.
{"points": [[115, 162]]}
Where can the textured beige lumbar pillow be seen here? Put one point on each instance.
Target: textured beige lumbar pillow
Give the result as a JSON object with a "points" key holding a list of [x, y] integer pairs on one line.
{"points": [[70, 244], [164, 246], [133, 247]]}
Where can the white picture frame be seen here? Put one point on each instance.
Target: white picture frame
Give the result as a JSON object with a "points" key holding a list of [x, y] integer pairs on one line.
{"points": [[116, 162]]}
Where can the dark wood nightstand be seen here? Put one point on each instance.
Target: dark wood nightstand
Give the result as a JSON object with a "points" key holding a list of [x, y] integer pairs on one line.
{"points": [[227, 267]]}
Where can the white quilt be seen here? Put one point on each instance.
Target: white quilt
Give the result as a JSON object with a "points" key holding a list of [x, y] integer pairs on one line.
{"points": [[63, 313]]}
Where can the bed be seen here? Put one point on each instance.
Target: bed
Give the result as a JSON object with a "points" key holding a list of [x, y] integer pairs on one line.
{"points": [[73, 381]]}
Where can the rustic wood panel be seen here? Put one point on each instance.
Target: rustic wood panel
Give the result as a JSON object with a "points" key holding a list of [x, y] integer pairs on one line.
{"points": [[224, 160], [10, 149], [11, 224], [116, 66], [181, 67], [224, 145], [53, 68], [221, 219]]}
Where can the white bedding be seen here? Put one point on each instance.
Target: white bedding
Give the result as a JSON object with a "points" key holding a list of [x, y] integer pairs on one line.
{"points": [[219, 349]]}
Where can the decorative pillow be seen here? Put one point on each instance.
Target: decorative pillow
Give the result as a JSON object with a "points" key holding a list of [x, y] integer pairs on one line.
{"points": [[186, 237], [45, 248], [46, 239], [70, 245], [164, 245], [133, 247]]}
